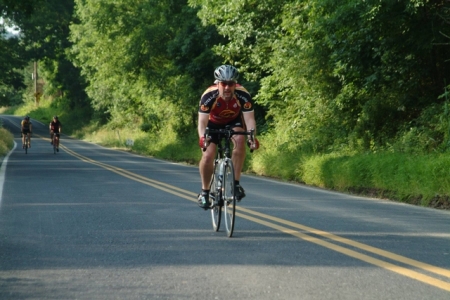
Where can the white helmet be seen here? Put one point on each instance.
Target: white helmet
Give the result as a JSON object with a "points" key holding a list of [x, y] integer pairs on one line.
{"points": [[226, 73]]}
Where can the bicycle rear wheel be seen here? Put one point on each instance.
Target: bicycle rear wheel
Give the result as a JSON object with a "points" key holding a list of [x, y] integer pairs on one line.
{"points": [[229, 198], [55, 141], [215, 195]]}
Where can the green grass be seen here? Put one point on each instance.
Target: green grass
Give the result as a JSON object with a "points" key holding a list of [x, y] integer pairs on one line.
{"points": [[417, 179], [399, 176], [6, 142]]}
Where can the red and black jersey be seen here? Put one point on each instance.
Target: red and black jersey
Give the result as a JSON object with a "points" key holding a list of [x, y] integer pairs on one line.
{"points": [[221, 111], [54, 126]]}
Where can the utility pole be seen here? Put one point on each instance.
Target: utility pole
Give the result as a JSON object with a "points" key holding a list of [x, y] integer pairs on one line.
{"points": [[37, 95]]}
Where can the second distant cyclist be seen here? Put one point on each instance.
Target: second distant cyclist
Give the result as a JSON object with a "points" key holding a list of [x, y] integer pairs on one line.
{"points": [[55, 128]]}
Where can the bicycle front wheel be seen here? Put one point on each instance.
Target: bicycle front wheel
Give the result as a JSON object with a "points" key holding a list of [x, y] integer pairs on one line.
{"points": [[215, 196], [228, 197]]}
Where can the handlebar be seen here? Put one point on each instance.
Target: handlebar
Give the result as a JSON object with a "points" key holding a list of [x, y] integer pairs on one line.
{"points": [[227, 133]]}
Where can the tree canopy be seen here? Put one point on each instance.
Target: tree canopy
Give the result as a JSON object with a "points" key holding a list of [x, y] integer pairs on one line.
{"points": [[330, 75]]}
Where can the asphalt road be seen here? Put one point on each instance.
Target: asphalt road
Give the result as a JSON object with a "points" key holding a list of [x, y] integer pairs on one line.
{"points": [[94, 223]]}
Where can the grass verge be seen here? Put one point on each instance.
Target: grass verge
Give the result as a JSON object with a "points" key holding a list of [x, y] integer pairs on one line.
{"points": [[416, 179]]}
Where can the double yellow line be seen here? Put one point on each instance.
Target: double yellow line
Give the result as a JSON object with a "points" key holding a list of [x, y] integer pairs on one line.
{"points": [[319, 237]]}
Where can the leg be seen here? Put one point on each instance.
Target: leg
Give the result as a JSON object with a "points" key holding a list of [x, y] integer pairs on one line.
{"points": [[239, 154], [206, 166], [238, 159]]}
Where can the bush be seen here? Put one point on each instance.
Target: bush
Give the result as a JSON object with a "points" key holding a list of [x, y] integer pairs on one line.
{"points": [[6, 141]]}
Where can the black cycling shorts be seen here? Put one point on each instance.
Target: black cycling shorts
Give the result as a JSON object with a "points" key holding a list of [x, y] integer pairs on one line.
{"points": [[236, 123]]}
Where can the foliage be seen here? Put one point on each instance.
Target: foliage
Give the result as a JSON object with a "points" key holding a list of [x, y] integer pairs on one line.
{"points": [[337, 72], [397, 176], [6, 141], [334, 81], [149, 73], [11, 63]]}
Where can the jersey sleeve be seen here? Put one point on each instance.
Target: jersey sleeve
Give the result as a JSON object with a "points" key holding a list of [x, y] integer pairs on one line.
{"points": [[207, 100], [244, 98]]}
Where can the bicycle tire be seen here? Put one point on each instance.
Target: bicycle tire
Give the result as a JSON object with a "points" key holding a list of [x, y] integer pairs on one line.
{"points": [[55, 146], [215, 196], [228, 197], [26, 144]]}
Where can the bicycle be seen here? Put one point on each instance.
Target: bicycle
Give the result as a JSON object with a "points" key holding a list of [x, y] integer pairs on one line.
{"points": [[222, 182], [26, 142], [55, 142]]}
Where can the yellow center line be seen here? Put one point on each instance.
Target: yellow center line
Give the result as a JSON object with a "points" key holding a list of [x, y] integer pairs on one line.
{"points": [[245, 213], [371, 260], [136, 177], [387, 254]]}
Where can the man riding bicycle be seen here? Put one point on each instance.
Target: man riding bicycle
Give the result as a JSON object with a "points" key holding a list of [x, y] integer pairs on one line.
{"points": [[55, 128], [26, 130], [224, 103]]}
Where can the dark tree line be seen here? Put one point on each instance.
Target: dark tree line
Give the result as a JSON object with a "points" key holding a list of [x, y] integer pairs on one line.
{"points": [[327, 75]]}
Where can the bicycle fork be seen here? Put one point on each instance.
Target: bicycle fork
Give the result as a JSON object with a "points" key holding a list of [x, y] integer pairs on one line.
{"points": [[216, 194]]}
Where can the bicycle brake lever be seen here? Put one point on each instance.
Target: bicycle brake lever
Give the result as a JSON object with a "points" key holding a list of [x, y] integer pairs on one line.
{"points": [[205, 135]]}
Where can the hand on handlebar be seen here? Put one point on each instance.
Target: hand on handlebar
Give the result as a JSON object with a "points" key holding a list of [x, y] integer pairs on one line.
{"points": [[253, 145], [203, 142]]}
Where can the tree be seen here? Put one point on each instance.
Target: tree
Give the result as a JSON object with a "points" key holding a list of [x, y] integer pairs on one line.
{"points": [[144, 59], [44, 27]]}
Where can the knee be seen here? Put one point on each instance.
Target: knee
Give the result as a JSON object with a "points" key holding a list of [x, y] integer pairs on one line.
{"points": [[239, 144], [207, 158]]}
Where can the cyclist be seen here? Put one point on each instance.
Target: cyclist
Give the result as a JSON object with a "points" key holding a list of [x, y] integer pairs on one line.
{"points": [[26, 129], [224, 103], [55, 128]]}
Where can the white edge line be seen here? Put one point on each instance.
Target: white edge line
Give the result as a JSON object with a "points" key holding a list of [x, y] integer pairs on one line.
{"points": [[3, 171]]}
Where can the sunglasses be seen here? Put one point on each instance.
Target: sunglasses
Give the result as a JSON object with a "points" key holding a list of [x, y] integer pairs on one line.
{"points": [[225, 83]]}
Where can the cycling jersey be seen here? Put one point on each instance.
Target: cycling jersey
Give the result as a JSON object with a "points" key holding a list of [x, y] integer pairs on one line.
{"points": [[25, 126], [223, 112], [55, 126]]}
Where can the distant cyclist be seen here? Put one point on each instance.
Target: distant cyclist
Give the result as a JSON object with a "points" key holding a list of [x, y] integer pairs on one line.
{"points": [[26, 130], [55, 128]]}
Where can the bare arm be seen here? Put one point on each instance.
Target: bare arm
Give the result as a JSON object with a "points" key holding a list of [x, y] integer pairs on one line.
{"points": [[202, 123], [249, 118]]}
